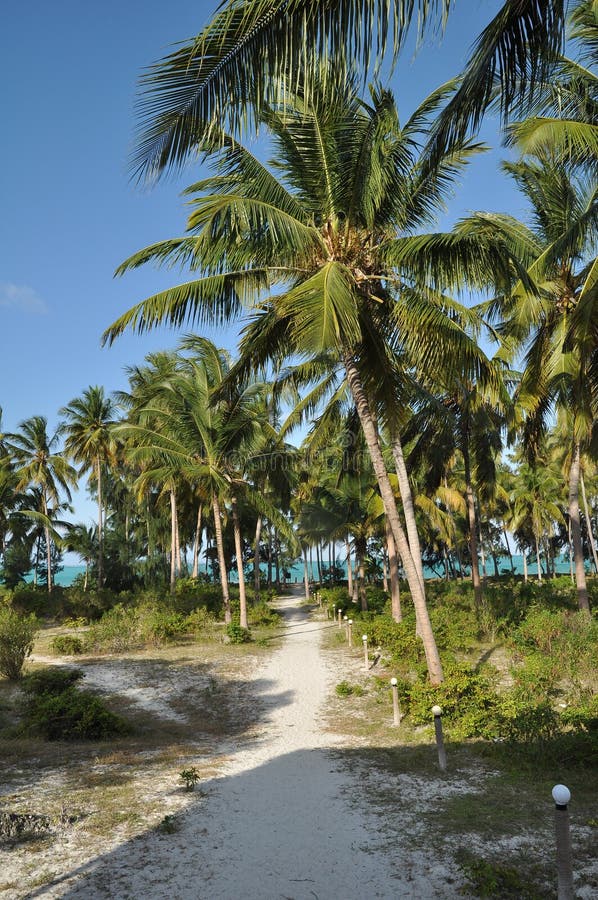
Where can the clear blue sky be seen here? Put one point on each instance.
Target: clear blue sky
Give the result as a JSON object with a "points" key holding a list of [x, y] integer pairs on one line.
{"points": [[68, 72]]}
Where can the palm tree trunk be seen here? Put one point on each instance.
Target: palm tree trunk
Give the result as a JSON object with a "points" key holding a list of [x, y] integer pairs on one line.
{"points": [[100, 525], [408, 507], [384, 571], [256, 559], [390, 508], [588, 522], [48, 547], [580, 572], [471, 520], [570, 545], [305, 575], [393, 565], [311, 564], [221, 560], [196, 543], [524, 565], [173, 553], [539, 565], [349, 568], [240, 572], [360, 551], [504, 531], [318, 562]]}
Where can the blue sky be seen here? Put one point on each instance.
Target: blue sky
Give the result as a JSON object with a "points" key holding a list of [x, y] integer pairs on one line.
{"points": [[69, 212]]}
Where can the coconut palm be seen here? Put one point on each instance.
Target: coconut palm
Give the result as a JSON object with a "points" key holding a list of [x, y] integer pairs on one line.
{"points": [[235, 64], [318, 231], [38, 464], [88, 441]]}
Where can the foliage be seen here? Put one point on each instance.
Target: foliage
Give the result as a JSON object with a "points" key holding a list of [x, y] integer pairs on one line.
{"points": [[57, 710], [124, 628], [494, 879], [66, 645], [17, 633], [189, 777], [262, 615], [238, 635], [344, 689]]}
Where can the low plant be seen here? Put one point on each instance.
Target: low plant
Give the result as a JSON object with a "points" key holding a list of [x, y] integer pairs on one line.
{"points": [[238, 635], [189, 777], [66, 645], [494, 879], [344, 689], [17, 634]]}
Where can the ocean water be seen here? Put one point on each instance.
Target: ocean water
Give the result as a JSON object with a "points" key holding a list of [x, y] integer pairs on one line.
{"points": [[69, 573]]}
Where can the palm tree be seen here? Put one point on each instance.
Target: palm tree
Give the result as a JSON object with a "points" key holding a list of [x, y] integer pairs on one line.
{"points": [[39, 465], [321, 237], [88, 441], [236, 63], [82, 540], [535, 502]]}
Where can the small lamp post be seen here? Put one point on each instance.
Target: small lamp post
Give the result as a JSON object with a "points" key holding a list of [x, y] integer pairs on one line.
{"points": [[437, 711], [561, 796], [366, 662], [396, 712]]}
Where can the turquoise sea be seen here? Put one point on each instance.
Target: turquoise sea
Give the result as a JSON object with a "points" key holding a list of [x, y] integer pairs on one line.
{"points": [[69, 573]]}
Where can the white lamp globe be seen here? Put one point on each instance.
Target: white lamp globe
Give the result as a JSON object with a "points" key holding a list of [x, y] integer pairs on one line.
{"points": [[561, 794]]}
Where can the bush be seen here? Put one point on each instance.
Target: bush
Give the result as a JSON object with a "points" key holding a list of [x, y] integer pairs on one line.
{"points": [[125, 628], [468, 700], [57, 711], [201, 622], [67, 645], [238, 635], [17, 634], [262, 615], [72, 715], [344, 689]]}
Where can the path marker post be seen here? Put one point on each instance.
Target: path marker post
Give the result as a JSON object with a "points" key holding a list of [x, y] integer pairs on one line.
{"points": [[396, 711], [437, 711], [366, 662], [333, 613], [350, 635], [340, 616], [561, 796]]}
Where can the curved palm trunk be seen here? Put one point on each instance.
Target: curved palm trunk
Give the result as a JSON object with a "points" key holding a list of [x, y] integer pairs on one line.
{"points": [[100, 525], [305, 575], [240, 572], [349, 568], [173, 541], [197, 543], [256, 558], [392, 515], [48, 547], [408, 507], [393, 566], [588, 522], [508, 546], [221, 561], [360, 551], [580, 572], [471, 521]]}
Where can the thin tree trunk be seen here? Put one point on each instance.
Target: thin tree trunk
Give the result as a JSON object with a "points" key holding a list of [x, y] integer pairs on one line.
{"points": [[504, 531], [270, 558], [256, 559], [240, 572], [349, 569], [221, 560], [86, 575], [318, 562], [173, 551], [48, 546], [177, 540], [395, 586], [305, 575], [538, 558], [588, 522], [482, 549], [360, 550], [524, 565], [100, 526], [390, 508], [471, 519], [276, 560], [580, 572], [384, 571], [408, 507], [311, 564], [197, 543], [570, 545]]}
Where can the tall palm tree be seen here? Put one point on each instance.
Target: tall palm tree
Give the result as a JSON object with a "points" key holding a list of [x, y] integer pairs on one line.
{"points": [[88, 441], [309, 242], [235, 64], [40, 465]]}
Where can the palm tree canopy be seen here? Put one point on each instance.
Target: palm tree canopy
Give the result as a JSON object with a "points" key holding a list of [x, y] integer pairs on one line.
{"points": [[236, 63]]}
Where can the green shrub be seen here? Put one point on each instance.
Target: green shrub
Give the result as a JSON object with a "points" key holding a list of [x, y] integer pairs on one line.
{"points": [[262, 615], [72, 715], [17, 634], [238, 635], [51, 680], [468, 699], [66, 645], [344, 689], [57, 711], [200, 622], [398, 639], [125, 628]]}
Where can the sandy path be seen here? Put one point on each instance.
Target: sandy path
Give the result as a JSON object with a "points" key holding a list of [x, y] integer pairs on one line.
{"points": [[277, 823]]}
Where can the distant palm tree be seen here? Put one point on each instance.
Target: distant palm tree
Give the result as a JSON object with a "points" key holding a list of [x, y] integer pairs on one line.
{"points": [[38, 464], [82, 540], [88, 441]]}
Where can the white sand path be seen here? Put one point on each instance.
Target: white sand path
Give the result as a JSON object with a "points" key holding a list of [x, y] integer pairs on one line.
{"points": [[279, 822]]}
